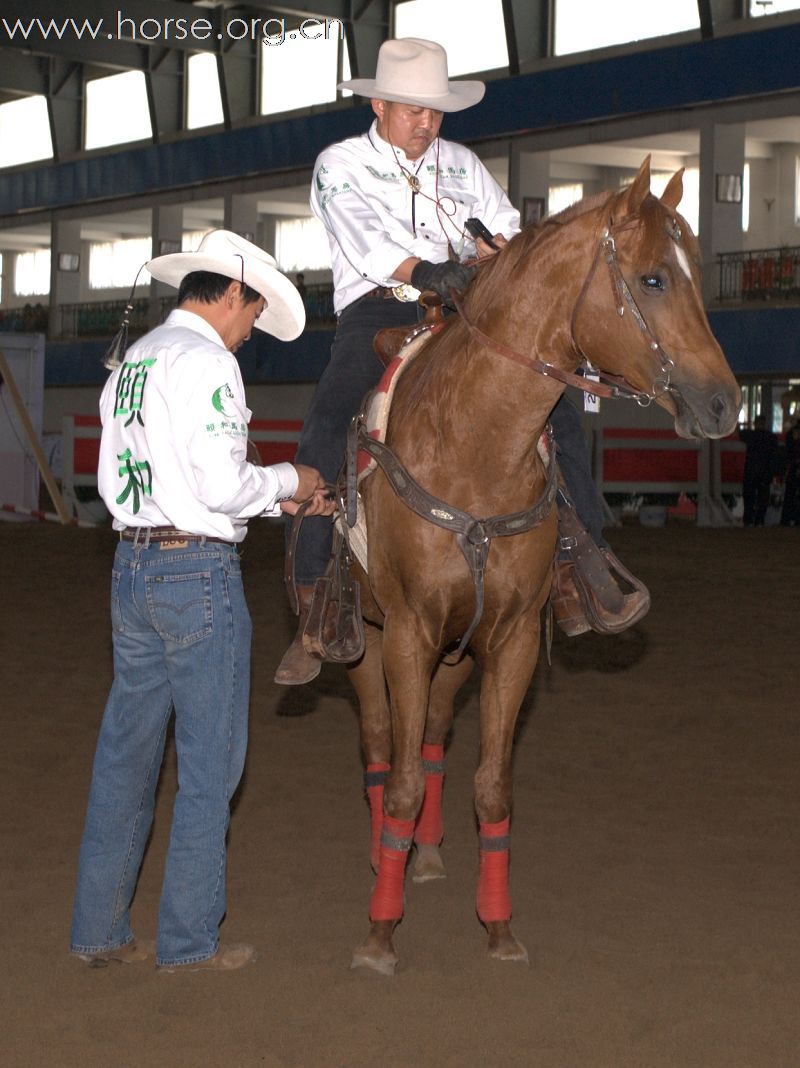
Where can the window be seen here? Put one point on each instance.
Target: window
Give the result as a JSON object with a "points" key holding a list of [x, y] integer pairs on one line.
{"points": [[32, 273], [581, 25], [481, 44], [117, 110], [302, 245], [115, 264], [190, 240], [204, 105], [302, 69], [772, 7], [560, 197], [746, 198], [24, 131]]}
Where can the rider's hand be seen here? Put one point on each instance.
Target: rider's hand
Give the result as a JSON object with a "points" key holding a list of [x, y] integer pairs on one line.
{"points": [[485, 250], [441, 277]]}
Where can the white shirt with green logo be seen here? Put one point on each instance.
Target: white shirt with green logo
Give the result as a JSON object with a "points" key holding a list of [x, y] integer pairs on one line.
{"points": [[362, 195], [174, 438]]}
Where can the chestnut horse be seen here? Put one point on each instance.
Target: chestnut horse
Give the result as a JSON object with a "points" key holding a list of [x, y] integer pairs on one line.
{"points": [[615, 280]]}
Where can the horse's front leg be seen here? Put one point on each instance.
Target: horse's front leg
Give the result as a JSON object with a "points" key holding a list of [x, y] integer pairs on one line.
{"points": [[375, 730], [408, 663], [429, 831], [507, 673]]}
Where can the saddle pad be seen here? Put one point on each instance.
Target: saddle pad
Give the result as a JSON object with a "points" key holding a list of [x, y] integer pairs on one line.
{"points": [[377, 414]]}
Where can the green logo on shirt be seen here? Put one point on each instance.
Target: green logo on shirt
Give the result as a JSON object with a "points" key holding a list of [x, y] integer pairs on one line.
{"points": [[218, 398]]}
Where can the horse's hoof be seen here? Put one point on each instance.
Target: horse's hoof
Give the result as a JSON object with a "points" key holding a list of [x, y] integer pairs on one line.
{"points": [[503, 945], [514, 951], [374, 960], [376, 952], [428, 864]]}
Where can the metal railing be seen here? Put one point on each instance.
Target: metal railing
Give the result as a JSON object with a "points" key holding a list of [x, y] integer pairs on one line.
{"points": [[759, 275]]}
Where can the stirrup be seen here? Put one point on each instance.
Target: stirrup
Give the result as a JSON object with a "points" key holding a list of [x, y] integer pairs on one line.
{"points": [[592, 589], [334, 630]]}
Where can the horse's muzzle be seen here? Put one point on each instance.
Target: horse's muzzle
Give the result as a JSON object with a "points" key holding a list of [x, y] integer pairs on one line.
{"points": [[700, 414]]}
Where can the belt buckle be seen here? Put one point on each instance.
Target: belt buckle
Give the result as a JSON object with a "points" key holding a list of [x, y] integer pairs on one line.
{"points": [[405, 293]]}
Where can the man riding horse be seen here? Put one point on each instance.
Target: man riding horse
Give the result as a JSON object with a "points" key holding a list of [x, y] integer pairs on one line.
{"points": [[394, 202]]}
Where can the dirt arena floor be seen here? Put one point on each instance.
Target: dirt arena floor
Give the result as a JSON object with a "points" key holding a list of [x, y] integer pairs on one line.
{"points": [[654, 842]]}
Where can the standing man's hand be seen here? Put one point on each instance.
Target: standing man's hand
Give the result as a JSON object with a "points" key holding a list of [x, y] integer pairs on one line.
{"points": [[311, 487]]}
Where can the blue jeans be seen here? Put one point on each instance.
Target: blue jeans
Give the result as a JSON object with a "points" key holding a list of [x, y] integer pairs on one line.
{"points": [[353, 370], [574, 460], [181, 635]]}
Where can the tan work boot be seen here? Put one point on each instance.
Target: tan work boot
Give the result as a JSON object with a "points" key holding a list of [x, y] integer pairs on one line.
{"points": [[298, 666], [131, 953], [227, 959]]}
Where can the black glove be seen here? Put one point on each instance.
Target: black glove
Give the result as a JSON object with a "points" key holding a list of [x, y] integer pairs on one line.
{"points": [[441, 277]]}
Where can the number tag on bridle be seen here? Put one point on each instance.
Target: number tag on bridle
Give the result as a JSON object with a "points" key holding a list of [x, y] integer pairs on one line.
{"points": [[591, 403]]}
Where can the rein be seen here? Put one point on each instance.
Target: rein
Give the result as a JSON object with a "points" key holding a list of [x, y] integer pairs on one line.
{"points": [[613, 386]]}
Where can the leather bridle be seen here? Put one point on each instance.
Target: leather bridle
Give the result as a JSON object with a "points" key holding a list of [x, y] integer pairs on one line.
{"points": [[602, 383]]}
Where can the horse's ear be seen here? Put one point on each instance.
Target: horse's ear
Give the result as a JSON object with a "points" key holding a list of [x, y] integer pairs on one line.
{"points": [[671, 197], [639, 188]]}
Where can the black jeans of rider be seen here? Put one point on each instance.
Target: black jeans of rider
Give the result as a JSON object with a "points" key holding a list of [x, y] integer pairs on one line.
{"points": [[352, 371]]}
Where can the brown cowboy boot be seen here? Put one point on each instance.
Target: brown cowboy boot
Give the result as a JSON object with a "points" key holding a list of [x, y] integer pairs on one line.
{"points": [[577, 608], [568, 609], [298, 666], [592, 589]]}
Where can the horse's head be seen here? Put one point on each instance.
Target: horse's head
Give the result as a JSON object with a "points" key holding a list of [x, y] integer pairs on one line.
{"points": [[656, 333]]}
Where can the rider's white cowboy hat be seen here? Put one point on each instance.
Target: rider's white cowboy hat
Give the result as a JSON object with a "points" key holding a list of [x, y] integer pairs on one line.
{"points": [[225, 253], [414, 71]]}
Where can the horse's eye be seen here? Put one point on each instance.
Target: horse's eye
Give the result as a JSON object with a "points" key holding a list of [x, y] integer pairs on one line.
{"points": [[653, 281]]}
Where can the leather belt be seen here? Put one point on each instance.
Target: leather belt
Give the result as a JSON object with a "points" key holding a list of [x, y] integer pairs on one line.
{"points": [[148, 534], [379, 293]]}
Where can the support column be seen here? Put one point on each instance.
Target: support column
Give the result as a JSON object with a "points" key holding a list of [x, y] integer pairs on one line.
{"points": [[67, 267], [167, 230], [241, 214], [721, 155], [528, 176]]}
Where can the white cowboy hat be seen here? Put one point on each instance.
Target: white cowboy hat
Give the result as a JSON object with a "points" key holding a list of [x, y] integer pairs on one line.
{"points": [[225, 253], [414, 71]]}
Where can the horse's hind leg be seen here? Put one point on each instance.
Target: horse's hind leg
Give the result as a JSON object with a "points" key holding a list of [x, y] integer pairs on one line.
{"points": [[429, 831]]}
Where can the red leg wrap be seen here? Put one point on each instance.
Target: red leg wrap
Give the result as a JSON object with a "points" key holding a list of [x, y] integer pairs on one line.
{"points": [[494, 900], [387, 897], [430, 825], [375, 798]]}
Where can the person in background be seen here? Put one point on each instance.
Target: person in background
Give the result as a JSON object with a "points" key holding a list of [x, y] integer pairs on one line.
{"points": [[790, 513], [761, 446]]}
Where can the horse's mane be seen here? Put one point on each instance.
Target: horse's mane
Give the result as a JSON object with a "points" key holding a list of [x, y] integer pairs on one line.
{"points": [[500, 275], [495, 274]]}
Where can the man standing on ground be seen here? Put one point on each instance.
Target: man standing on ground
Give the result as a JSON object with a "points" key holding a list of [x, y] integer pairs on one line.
{"points": [[174, 476]]}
